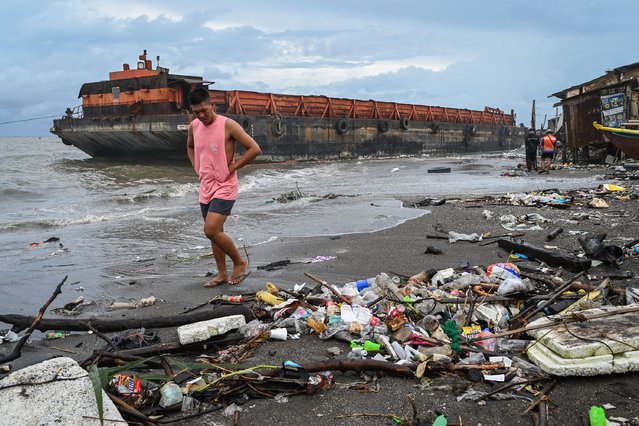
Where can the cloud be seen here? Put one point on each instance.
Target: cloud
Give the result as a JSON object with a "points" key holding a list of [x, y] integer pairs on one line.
{"points": [[465, 54]]}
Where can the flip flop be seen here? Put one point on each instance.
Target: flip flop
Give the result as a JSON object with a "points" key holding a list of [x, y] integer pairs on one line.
{"points": [[235, 280], [214, 283]]}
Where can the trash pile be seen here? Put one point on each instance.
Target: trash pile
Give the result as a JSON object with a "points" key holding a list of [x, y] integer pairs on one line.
{"points": [[507, 330], [512, 326]]}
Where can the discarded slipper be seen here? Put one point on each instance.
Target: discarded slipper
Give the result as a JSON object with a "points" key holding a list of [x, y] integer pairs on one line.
{"points": [[214, 283], [235, 280]]}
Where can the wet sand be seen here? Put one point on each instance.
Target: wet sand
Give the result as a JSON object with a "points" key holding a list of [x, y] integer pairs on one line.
{"points": [[178, 282]]}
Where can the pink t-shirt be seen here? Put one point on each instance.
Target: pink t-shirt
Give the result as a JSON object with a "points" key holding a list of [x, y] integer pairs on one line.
{"points": [[210, 161]]}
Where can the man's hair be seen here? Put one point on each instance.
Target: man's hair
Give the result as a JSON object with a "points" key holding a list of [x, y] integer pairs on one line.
{"points": [[198, 96]]}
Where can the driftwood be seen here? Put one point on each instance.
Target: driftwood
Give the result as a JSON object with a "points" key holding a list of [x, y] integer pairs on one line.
{"points": [[553, 258], [528, 313], [20, 322], [163, 348], [34, 324], [359, 365]]}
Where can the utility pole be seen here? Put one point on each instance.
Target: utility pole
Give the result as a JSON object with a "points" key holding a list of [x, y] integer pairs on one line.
{"points": [[532, 120]]}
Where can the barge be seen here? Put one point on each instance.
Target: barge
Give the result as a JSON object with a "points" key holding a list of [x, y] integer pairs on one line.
{"points": [[143, 114]]}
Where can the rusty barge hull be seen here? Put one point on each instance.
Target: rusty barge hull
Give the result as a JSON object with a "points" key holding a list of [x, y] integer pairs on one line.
{"points": [[143, 114], [302, 138]]}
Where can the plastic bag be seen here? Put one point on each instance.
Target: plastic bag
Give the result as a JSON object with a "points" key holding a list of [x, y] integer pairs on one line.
{"points": [[513, 285]]}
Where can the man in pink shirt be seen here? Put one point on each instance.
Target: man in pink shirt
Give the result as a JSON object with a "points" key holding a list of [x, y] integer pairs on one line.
{"points": [[211, 149]]}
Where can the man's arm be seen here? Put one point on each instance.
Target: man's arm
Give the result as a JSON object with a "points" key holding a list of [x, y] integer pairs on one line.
{"points": [[251, 148], [190, 146]]}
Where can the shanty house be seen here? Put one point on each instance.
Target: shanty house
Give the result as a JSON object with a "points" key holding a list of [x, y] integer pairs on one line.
{"points": [[611, 99]]}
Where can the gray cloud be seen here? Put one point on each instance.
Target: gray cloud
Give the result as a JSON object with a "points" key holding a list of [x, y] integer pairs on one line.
{"points": [[466, 54]]}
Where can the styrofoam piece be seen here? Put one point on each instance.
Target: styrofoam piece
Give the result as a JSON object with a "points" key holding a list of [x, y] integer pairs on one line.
{"points": [[554, 364], [602, 336], [204, 330], [627, 361]]}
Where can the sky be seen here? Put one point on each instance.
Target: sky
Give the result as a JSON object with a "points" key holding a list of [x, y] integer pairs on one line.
{"points": [[464, 53]]}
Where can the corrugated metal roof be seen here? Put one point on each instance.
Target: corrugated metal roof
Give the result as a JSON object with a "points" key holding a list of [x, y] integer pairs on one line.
{"points": [[562, 93]]}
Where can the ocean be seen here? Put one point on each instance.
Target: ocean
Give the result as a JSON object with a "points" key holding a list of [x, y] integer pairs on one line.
{"points": [[97, 214]]}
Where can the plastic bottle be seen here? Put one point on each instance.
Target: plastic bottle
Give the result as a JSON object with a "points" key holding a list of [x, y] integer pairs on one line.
{"points": [[357, 353], [385, 284], [399, 350], [597, 416], [367, 345], [512, 345]]}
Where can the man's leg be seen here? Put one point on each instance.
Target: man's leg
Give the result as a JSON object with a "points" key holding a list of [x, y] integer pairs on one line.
{"points": [[223, 245]]}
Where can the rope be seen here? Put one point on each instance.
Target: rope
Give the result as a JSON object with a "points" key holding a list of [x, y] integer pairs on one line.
{"points": [[451, 330], [29, 119]]}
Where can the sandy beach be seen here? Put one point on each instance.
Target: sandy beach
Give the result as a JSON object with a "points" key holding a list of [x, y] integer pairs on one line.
{"points": [[400, 250]]}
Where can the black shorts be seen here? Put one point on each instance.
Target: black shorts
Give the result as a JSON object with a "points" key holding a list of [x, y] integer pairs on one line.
{"points": [[217, 205], [550, 155]]}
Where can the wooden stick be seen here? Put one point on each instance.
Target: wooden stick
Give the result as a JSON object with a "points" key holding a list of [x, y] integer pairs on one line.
{"points": [[542, 396], [569, 319], [508, 386], [329, 287], [101, 336], [17, 351], [123, 406], [555, 295], [359, 365]]}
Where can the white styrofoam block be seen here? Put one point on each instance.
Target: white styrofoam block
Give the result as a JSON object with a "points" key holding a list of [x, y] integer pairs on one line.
{"points": [[552, 363], [627, 361], [602, 336], [204, 330]]}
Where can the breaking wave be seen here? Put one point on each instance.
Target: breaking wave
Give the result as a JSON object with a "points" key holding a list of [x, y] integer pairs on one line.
{"points": [[171, 191], [59, 223]]}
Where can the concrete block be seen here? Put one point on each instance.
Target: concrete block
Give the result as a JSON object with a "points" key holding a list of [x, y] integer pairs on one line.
{"points": [[204, 330], [603, 336], [67, 399]]}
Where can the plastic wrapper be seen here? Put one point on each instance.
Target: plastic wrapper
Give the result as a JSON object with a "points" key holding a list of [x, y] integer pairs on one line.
{"points": [[503, 271]]}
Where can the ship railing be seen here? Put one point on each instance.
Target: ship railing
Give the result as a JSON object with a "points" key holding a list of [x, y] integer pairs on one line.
{"points": [[75, 112], [256, 103]]}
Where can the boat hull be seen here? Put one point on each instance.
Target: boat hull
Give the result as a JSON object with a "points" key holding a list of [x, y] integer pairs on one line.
{"points": [[286, 138], [626, 140]]}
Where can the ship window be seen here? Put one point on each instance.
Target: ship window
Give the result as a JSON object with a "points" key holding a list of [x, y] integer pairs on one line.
{"points": [[115, 91]]}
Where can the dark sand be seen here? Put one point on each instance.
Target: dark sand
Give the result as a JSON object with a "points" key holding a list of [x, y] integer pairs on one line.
{"points": [[399, 250]]}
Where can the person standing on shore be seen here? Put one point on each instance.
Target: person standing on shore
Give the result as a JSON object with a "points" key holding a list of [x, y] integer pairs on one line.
{"points": [[548, 147], [532, 145], [211, 148]]}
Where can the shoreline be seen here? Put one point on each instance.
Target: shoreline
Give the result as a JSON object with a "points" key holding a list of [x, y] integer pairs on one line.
{"points": [[399, 249]]}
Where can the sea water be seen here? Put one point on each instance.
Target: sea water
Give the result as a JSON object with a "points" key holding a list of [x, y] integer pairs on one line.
{"points": [[101, 214]]}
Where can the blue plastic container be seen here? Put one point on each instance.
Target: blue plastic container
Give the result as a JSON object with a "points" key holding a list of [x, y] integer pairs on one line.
{"points": [[362, 284]]}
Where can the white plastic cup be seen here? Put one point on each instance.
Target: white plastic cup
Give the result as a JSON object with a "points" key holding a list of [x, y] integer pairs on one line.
{"points": [[279, 334]]}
